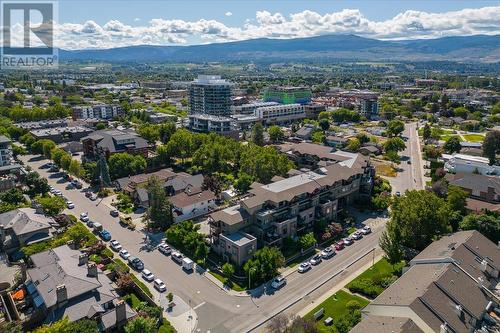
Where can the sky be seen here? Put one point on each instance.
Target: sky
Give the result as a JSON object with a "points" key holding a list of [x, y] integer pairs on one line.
{"points": [[113, 23]]}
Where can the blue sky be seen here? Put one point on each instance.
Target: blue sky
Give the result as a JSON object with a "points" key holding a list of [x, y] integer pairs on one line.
{"points": [[113, 23]]}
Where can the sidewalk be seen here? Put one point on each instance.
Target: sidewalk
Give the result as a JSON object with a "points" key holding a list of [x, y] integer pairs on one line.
{"points": [[337, 287], [182, 317]]}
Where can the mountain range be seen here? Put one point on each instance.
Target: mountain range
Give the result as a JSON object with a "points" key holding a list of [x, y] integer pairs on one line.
{"points": [[477, 48]]}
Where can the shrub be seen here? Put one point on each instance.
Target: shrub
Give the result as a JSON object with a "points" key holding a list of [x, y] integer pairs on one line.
{"points": [[141, 285], [166, 327]]}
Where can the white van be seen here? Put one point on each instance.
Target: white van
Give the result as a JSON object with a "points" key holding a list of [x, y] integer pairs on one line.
{"points": [[187, 264]]}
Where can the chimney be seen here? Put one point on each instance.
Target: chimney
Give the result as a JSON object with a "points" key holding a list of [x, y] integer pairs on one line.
{"points": [[121, 313], [61, 294], [83, 258], [444, 328], [484, 265], [92, 270], [459, 311]]}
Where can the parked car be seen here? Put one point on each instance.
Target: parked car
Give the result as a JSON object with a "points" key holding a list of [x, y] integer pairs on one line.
{"points": [[159, 285], [316, 260], [97, 227], [105, 235], [115, 245], [356, 235], [348, 241], [164, 248], [136, 263], [366, 230], [147, 275], [114, 213], [124, 254], [84, 217], [177, 257], [58, 193], [278, 282], [398, 194], [93, 197], [70, 204], [327, 253], [90, 223], [88, 194], [340, 245], [304, 267]]}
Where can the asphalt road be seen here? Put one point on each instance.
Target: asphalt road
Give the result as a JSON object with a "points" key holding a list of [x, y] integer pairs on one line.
{"points": [[216, 310]]}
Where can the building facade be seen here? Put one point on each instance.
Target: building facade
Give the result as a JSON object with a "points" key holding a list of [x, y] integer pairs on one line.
{"points": [[210, 95], [97, 111], [280, 114], [5, 151], [288, 95]]}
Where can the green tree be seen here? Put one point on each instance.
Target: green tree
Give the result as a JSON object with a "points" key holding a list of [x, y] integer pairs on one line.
{"points": [[318, 136], [258, 134], [264, 264], [488, 224], [395, 128], [427, 132], [227, 270], [64, 325], [392, 156], [149, 132], [243, 183], [124, 164], [353, 144], [52, 205], [56, 154], [307, 240], [394, 144], [452, 145], [275, 133], [491, 145], [37, 184], [159, 213], [166, 131], [181, 144], [390, 243], [324, 124], [456, 199], [75, 168], [141, 325], [48, 145]]}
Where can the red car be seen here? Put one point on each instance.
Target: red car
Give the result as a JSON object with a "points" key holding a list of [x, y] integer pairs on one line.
{"points": [[339, 246]]}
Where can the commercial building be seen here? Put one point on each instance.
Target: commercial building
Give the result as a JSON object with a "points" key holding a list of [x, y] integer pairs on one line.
{"points": [[288, 95], [280, 114], [450, 287], [250, 108], [287, 206], [460, 163], [62, 134], [5, 151], [103, 111], [63, 283], [30, 125], [109, 142]]}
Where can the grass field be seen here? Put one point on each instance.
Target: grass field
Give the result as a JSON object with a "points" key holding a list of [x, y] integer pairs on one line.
{"points": [[132, 300], [234, 285], [335, 307], [445, 137], [473, 137], [385, 170], [381, 267]]}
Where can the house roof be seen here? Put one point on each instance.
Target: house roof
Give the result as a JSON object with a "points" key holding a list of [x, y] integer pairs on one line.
{"points": [[475, 181], [230, 215], [381, 324], [185, 199], [143, 178], [182, 181], [25, 220], [479, 205], [110, 140], [4, 139]]}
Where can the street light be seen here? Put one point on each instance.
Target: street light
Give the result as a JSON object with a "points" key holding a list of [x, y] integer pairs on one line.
{"points": [[250, 276]]}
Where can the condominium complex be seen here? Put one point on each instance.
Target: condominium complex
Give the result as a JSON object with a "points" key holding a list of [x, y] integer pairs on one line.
{"points": [[278, 114], [287, 206], [97, 111], [250, 108], [5, 151]]}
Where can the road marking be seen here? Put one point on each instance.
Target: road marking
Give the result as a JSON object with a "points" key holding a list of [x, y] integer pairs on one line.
{"points": [[201, 304]]}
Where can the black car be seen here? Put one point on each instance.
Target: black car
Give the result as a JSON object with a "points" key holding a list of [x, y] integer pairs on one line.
{"points": [[136, 263]]}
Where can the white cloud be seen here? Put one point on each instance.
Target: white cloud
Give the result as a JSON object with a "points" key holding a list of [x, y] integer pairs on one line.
{"points": [[159, 31], [137, 19], [228, 14]]}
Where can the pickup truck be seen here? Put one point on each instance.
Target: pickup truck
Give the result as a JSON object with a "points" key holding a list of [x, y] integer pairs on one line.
{"points": [[126, 221]]}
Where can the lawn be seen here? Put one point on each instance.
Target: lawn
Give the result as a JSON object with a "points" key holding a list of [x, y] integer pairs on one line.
{"points": [[385, 170], [132, 300], [375, 279], [221, 278], [473, 137], [446, 137], [335, 307]]}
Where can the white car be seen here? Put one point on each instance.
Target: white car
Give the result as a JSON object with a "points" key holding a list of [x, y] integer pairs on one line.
{"points": [[366, 230], [124, 254], [304, 267], [84, 217], [316, 260], [147, 275], [357, 235], [58, 193], [164, 248], [177, 257], [159, 285], [70, 204], [327, 253], [348, 241], [115, 245], [278, 282]]}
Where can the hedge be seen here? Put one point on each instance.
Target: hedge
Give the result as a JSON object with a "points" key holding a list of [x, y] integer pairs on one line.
{"points": [[141, 285]]}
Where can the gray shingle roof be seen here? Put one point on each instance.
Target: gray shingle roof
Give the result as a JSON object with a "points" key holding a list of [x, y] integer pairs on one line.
{"points": [[25, 220]]}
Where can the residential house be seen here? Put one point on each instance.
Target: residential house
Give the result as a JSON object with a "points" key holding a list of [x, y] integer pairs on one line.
{"points": [[23, 226], [337, 142], [109, 142], [286, 206], [369, 149], [305, 132], [192, 203], [484, 191], [448, 287], [63, 283], [459, 163]]}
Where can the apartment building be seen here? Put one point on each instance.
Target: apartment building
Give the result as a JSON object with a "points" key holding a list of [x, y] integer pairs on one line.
{"points": [[288, 95], [288, 206], [109, 142], [450, 287], [62, 134], [249, 108], [282, 113], [5, 151], [102, 111]]}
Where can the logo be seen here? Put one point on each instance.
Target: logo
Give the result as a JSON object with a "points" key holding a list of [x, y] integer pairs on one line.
{"points": [[28, 34]]}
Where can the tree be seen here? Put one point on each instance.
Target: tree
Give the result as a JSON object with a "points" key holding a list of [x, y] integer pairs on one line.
{"points": [[258, 134], [242, 184], [275, 133], [452, 145], [488, 224], [302, 325], [159, 213], [456, 199], [13, 196], [181, 144], [324, 124], [427, 132], [390, 243], [418, 217], [64, 325], [392, 156], [166, 131], [124, 164], [37, 184], [227, 270], [52, 205], [141, 325], [11, 327], [307, 240], [264, 264], [66, 161], [278, 324], [47, 146], [394, 144], [149, 132], [75, 168], [318, 136], [395, 128], [353, 144], [185, 236], [491, 145]]}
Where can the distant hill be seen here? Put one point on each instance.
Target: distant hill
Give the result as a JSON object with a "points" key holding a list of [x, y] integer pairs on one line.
{"points": [[478, 48]]}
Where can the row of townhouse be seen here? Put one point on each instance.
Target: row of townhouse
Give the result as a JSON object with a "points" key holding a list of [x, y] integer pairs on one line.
{"points": [[101, 111]]}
